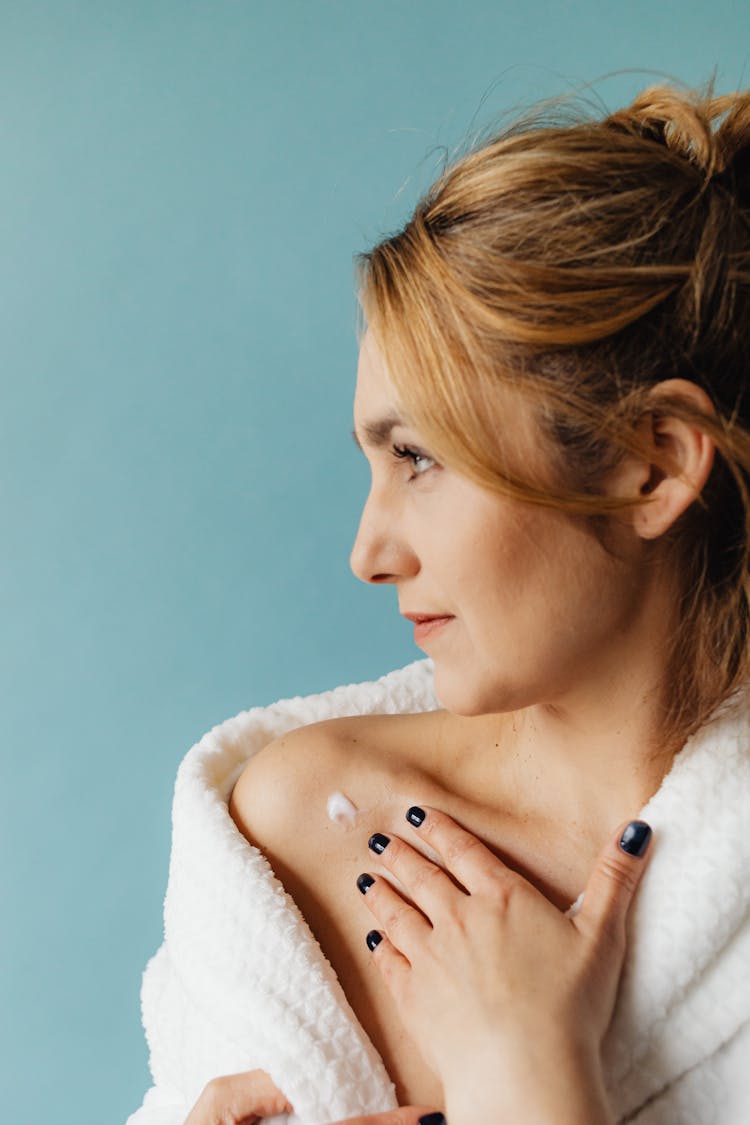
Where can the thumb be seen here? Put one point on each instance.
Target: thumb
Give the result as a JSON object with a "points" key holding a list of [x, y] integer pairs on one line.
{"points": [[240, 1098], [407, 1115], [614, 881]]}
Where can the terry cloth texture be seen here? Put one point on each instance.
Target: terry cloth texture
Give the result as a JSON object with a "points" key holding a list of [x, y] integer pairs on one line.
{"points": [[240, 982]]}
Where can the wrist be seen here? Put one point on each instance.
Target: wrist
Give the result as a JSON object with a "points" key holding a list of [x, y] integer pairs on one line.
{"points": [[542, 1081]]}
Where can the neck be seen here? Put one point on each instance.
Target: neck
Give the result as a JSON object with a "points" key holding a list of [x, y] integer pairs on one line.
{"points": [[592, 756], [599, 759]]}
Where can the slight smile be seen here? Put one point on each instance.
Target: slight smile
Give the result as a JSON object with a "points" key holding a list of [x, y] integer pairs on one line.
{"points": [[425, 625]]}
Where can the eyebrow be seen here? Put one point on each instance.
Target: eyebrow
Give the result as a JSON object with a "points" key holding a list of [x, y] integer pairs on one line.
{"points": [[378, 433]]}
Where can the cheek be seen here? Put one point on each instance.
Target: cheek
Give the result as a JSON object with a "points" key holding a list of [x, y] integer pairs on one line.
{"points": [[533, 602], [538, 604], [509, 571]]}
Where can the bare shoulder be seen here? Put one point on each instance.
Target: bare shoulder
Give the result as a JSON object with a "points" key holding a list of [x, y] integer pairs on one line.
{"points": [[287, 783], [286, 774]]}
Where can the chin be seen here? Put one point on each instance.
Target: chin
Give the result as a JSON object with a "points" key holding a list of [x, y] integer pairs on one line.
{"points": [[462, 695]]}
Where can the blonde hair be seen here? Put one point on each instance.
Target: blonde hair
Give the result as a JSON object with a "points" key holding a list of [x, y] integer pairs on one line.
{"points": [[579, 263]]}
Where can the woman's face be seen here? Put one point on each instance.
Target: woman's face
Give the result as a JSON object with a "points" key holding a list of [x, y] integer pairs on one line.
{"points": [[538, 609]]}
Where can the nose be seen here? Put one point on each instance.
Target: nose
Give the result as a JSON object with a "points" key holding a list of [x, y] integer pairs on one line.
{"points": [[380, 552]]}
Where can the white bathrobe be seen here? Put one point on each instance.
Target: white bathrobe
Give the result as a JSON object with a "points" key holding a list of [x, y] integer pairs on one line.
{"points": [[240, 982]]}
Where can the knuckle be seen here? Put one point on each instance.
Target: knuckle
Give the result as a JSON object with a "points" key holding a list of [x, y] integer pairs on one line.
{"points": [[215, 1086], [458, 849], [425, 875], [455, 919], [620, 873], [395, 916], [501, 891]]}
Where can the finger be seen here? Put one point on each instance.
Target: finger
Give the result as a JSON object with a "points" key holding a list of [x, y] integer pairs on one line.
{"points": [[407, 1115], [614, 881], [427, 884], [406, 926], [393, 967], [254, 1093], [465, 857], [238, 1097]]}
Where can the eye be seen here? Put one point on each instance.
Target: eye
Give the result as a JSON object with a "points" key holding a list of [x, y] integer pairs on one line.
{"points": [[419, 461]]}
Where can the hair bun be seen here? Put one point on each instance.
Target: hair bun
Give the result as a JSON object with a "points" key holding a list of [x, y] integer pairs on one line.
{"points": [[683, 121]]}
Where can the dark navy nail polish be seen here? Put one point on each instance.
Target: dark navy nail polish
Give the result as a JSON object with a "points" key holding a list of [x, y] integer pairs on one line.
{"points": [[635, 838], [415, 816], [378, 843], [432, 1119], [373, 939], [364, 882]]}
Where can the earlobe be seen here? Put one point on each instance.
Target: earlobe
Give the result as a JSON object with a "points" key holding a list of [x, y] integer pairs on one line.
{"points": [[683, 456]]}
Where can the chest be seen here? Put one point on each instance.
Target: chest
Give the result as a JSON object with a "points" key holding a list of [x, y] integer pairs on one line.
{"points": [[319, 868]]}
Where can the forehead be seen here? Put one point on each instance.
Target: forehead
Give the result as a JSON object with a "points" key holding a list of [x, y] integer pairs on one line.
{"points": [[376, 407], [374, 389]]}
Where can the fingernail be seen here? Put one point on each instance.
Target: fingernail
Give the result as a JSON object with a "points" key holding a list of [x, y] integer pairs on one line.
{"points": [[364, 882], [432, 1119], [415, 816], [378, 843], [635, 838], [373, 939]]}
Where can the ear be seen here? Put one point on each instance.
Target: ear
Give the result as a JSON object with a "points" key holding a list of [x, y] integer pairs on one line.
{"points": [[681, 461]]}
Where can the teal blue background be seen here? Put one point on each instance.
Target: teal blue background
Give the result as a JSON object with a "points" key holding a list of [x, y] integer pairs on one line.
{"points": [[183, 186]]}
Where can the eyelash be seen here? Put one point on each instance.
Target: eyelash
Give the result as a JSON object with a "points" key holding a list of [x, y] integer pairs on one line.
{"points": [[405, 452]]}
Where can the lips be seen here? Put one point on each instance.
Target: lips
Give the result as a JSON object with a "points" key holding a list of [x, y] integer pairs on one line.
{"points": [[426, 624], [420, 618]]}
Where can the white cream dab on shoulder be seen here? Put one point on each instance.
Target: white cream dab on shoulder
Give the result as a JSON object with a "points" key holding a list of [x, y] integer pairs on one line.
{"points": [[341, 810]]}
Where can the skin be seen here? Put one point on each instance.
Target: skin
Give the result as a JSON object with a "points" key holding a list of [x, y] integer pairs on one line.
{"points": [[550, 678], [555, 644], [469, 949]]}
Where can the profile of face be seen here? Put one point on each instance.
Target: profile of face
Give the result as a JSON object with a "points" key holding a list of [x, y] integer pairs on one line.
{"points": [[538, 607]]}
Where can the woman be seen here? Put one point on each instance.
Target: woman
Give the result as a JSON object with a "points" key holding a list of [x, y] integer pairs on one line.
{"points": [[551, 396]]}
